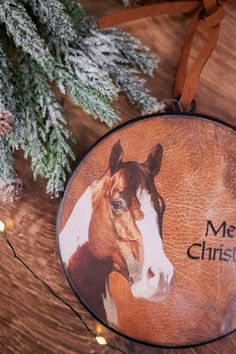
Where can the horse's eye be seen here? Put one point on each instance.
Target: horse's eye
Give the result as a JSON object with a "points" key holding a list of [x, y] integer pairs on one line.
{"points": [[117, 205]]}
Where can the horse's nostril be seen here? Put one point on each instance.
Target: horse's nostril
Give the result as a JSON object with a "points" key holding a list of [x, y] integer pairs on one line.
{"points": [[131, 282], [150, 273]]}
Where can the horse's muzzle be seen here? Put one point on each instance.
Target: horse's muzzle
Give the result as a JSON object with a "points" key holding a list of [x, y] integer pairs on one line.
{"points": [[163, 289], [154, 286]]}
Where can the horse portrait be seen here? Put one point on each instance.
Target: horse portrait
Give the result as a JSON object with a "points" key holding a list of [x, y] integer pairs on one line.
{"points": [[116, 226]]}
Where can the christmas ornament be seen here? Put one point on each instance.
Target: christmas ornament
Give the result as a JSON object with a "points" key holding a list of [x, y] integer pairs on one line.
{"points": [[146, 229]]}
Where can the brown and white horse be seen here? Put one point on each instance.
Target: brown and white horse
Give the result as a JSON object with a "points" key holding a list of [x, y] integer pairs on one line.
{"points": [[116, 225]]}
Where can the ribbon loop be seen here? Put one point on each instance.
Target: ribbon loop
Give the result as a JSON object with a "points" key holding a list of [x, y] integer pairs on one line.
{"points": [[215, 18]]}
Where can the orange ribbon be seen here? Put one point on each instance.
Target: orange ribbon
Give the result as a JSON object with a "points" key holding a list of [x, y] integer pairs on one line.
{"points": [[211, 12]]}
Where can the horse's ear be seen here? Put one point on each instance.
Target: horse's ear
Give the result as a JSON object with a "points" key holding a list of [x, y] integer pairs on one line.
{"points": [[153, 162], [115, 157]]}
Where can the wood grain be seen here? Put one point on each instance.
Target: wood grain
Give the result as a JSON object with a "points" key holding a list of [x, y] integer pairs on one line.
{"points": [[30, 320]]}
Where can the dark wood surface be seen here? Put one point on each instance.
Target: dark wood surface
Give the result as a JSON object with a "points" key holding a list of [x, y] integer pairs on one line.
{"points": [[30, 320]]}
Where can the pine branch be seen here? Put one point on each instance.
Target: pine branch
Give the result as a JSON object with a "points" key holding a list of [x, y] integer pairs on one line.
{"points": [[57, 162], [20, 26], [136, 53], [93, 102], [93, 89], [43, 132], [23, 31], [135, 89], [7, 103], [88, 73], [74, 10], [124, 58], [28, 131], [52, 15], [90, 87]]}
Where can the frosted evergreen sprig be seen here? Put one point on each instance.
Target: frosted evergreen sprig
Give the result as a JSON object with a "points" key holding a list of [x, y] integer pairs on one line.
{"points": [[44, 130], [8, 94], [124, 58], [88, 72], [77, 75], [94, 99], [133, 50], [32, 121], [23, 31], [74, 10], [10, 186], [93, 90], [6, 85], [52, 15]]}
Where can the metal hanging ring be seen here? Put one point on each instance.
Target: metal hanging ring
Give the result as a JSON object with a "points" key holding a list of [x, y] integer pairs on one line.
{"points": [[178, 107]]}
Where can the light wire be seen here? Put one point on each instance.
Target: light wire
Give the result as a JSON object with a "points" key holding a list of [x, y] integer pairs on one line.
{"points": [[55, 295]]}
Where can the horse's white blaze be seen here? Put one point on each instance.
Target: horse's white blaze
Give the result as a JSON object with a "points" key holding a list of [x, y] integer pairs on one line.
{"points": [[110, 307], [75, 231], [157, 270]]}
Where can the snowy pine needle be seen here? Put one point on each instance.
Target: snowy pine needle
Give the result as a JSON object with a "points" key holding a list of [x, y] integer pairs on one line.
{"points": [[7, 103], [124, 58], [44, 135]]}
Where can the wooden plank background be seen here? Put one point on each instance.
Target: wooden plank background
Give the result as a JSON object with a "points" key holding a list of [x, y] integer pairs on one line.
{"points": [[30, 320]]}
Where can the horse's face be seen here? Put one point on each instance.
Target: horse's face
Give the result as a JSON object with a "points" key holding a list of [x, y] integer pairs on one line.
{"points": [[126, 223]]}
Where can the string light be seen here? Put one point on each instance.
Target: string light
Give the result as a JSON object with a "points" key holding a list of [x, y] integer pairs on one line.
{"points": [[2, 226], [9, 224], [101, 340]]}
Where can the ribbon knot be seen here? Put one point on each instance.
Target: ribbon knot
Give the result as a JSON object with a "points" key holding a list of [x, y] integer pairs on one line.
{"points": [[215, 18]]}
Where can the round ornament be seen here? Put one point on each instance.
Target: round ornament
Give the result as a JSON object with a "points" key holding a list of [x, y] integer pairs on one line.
{"points": [[147, 229]]}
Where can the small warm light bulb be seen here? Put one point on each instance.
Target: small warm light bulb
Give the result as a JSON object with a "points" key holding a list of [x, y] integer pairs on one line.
{"points": [[2, 226], [9, 224], [101, 340], [99, 329]]}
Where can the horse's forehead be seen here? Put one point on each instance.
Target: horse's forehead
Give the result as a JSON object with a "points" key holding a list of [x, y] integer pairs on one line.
{"points": [[118, 181], [128, 179]]}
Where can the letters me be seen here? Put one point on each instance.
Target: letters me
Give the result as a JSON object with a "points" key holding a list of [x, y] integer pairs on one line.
{"points": [[222, 231]]}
